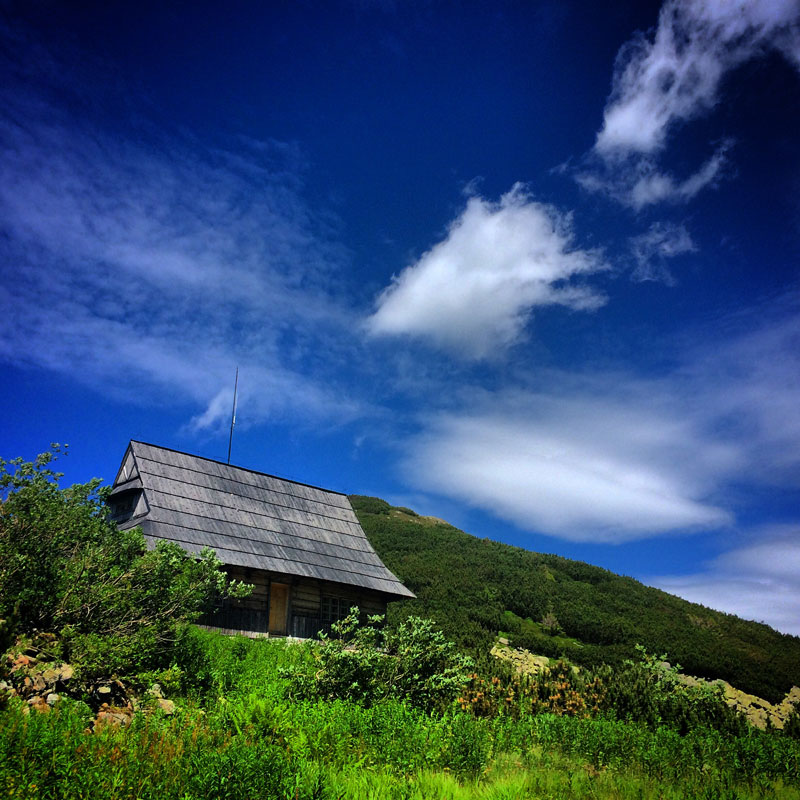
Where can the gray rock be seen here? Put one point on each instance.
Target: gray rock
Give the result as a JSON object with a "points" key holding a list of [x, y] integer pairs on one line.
{"points": [[167, 706], [50, 676]]}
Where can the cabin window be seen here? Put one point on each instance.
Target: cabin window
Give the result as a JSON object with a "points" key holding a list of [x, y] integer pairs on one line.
{"points": [[334, 609], [122, 506]]}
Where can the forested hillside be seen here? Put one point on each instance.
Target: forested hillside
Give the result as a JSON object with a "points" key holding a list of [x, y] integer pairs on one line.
{"points": [[475, 588]]}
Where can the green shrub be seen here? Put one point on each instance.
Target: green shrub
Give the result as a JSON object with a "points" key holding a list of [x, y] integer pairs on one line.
{"points": [[791, 727], [66, 568], [468, 746], [650, 691], [366, 663]]}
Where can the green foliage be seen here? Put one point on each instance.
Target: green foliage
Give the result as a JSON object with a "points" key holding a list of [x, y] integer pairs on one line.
{"points": [[650, 691], [249, 740], [468, 584], [368, 663], [544, 638], [64, 567], [550, 624], [408, 511], [371, 505], [791, 728]]}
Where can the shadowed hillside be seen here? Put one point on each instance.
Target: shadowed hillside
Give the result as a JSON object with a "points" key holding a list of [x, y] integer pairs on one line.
{"points": [[476, 588]]}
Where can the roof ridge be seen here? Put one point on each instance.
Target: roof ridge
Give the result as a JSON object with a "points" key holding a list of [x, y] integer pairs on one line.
{"points": [[343, 509], [234, 466]]}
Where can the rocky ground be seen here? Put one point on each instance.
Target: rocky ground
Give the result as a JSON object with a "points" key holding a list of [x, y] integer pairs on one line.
{"points": [[42, 682]]}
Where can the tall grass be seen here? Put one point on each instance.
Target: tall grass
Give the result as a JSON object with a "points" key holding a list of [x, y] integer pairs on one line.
{"points": [[239, 736]]}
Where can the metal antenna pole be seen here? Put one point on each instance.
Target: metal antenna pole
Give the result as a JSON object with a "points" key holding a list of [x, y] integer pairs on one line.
{"points": [[233, 414]]}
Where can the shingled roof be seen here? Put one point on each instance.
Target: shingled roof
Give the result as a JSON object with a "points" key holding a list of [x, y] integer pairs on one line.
{"points": [[250, 519]]}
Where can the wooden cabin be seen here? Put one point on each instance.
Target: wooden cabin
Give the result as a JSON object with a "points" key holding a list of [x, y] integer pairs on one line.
{"points": [[300, 546]]}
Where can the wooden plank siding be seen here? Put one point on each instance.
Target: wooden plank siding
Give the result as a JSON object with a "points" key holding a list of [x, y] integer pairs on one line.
{"points": [[306, 617]]}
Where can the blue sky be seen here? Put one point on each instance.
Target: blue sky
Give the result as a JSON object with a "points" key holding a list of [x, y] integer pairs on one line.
{"points": [[529, 267]]}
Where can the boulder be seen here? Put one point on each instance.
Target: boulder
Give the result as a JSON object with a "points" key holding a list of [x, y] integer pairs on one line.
{"points": [[112, 716], [167, 706], [38, 703], [51, 675]]}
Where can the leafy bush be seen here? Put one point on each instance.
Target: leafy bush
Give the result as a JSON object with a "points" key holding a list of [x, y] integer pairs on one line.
{"points": [[791, 727], [650, 691], [65, 568], [366, 663], [560, 689]]}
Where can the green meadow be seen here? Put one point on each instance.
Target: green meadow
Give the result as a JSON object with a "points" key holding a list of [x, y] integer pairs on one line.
{"points": [[238, 731]]}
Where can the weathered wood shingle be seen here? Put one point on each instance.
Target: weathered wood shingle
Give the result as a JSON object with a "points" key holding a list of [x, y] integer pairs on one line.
{"points": [[250, 519]]}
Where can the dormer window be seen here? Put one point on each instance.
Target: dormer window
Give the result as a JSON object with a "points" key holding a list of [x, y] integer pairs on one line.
{"points": [[122, 504]]}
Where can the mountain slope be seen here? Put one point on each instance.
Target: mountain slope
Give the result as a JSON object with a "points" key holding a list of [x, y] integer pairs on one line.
{"points": [[476, 588]]}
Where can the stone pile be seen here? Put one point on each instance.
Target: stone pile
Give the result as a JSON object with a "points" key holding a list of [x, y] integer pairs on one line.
{"points": [[42, 683], [523, 661]]}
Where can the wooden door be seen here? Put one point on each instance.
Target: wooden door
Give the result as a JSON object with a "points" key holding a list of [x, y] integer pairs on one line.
{"points": [[278, 607]]}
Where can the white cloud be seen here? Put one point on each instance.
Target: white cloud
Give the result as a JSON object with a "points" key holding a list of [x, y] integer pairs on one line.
{"points": [[580, 468], [611, 457], [639, 183], [651, 250], [675, 76], [759, 581], [474, 292], [657, 187], [746, 382]]}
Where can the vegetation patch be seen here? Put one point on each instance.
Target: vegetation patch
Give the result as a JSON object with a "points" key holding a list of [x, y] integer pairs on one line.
{"points": [[475, 588], [139, 703]]}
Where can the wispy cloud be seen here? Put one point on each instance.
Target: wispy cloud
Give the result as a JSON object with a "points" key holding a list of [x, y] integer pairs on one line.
{"points": [[759, 580], [474, 292], [576, 465], [652, 249], [151, 266], [613, 457], [639, 182], [676, 75], [672, 77]]}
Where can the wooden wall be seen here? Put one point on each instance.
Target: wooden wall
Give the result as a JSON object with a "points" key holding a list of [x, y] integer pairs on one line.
{"points": [[305, 598], [260, 580]]}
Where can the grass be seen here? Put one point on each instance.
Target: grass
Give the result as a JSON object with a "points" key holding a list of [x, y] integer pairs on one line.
{"points": [[239, 737]]}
